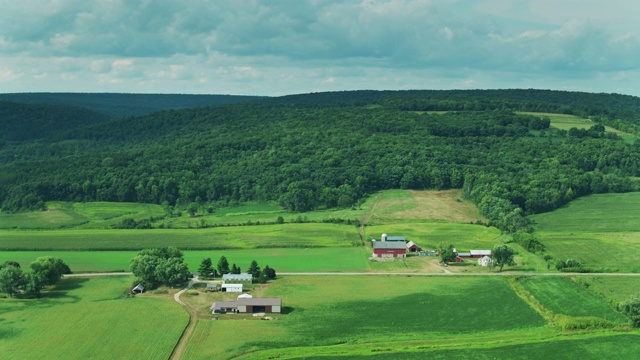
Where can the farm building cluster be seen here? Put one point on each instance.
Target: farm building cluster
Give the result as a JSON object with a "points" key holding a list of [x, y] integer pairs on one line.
{"points": [[483, 256], [392, 247]]}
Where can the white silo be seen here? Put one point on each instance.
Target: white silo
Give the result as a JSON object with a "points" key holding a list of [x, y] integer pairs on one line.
{"points": [[383, 237]]}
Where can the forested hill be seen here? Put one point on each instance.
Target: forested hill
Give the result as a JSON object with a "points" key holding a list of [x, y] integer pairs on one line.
{"points": [[23, 122], [121, 105], [308, 154]]}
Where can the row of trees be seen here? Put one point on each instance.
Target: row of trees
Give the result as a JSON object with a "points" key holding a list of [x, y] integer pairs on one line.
{"points": [[45, 271], [206, 270]]}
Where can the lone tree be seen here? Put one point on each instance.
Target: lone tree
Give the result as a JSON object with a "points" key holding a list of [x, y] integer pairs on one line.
{"points": [[235, 269], [223, 266], [269, 273], [446, 252], [254, 270], [206, 268], [503, 255], [163, 266]]}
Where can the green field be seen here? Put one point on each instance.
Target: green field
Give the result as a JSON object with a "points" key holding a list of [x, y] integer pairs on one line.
{"points": [[285, 260], [90, 319], [232, 237], [566, 297], [592, 228], [566, 122], [327, 311], [79, 215], [613, 289], [595, 348]]}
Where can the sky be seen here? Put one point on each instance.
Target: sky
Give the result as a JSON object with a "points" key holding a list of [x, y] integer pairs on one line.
{"points": [[279, 47]]}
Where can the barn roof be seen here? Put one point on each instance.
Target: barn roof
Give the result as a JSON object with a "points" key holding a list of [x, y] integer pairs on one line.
{"points": [[480, 252], [240, 277], [390, 245], [410, 244], [260, 301], [224, 286], [223, 304], [395, 238]]}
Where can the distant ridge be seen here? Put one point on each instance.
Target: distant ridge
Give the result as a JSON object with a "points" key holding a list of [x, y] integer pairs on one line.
{"points": [[123, 105]]}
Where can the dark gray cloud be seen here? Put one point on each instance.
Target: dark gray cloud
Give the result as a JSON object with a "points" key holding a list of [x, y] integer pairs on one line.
{"points": [[142, 42]]}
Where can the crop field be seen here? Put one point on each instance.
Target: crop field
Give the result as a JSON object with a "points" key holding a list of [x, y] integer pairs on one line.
{"points": [[625, 346], [593, 213], [79, 215], [232, 237], [413, 308], [564, 296], [284, 260], [589, 228], [613, 289], [56, 326]]}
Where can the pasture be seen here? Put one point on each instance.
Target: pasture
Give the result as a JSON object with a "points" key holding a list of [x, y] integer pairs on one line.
{"points": [[412, 308], [56, 326], [566, 122], [563, 296], [613, 289], [232, 237], [79, 215], [593, 228], [283, 260]]}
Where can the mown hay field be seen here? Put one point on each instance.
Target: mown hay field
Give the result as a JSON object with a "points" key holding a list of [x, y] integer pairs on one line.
{"points": [[330, 310], [564, 296], [90, 319], [282, 260], [232, 237]]}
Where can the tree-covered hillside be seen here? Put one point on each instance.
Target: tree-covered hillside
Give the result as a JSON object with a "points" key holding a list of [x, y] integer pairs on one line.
{"points": [[121, 105], [318, 153]]}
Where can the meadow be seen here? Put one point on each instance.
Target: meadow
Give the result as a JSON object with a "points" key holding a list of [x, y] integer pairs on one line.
{"points": [[600, 231], [375, 309], [564, 296], [57, 326]]}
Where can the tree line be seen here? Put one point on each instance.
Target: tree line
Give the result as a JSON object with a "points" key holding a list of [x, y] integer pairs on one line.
{"points": [[45, 271]]}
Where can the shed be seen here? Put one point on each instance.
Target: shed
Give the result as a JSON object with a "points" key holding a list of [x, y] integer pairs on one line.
{"points": [[231, 287], [480, 253], [211, 287], [248, 305], [464, 254], [389, 249], [412, 247], [485, 261], [138, 289], [237, 278]]}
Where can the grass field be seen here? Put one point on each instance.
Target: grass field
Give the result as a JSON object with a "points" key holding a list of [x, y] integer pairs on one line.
{"points": [[90, 319], [613, 289], [623, 346], [566, 122], [79, 215], [232, 237], [429, 235], [285, 260], [564, 296], [591, 228], [375, 309]]}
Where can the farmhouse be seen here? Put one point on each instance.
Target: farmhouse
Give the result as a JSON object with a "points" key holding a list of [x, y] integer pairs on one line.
{"points": [[389, 249], [412, 247], [248, 306], [480, 253], [485, 261], [231, 287], [236, 278]]}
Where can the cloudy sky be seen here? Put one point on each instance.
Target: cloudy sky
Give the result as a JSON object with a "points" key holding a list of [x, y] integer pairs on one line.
{"points": [[277, 47]]}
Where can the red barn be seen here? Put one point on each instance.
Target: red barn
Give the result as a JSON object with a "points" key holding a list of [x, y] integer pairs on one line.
{"points": [[389, 249]]}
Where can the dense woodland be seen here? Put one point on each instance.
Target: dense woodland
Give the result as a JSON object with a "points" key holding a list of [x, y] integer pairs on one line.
{"points": [[324, 150]]}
